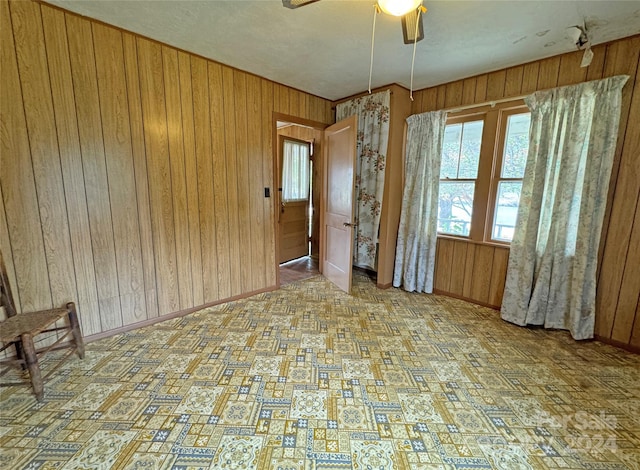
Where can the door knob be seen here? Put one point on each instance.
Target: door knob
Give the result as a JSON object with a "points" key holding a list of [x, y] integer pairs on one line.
{"points": [[347, 224]]}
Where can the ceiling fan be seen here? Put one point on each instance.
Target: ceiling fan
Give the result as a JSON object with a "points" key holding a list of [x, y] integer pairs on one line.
{"points": [[410, 11]]}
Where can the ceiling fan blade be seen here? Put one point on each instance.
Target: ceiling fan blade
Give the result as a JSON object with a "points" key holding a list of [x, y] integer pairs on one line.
{"points": [[297, 3], [409, 26]]}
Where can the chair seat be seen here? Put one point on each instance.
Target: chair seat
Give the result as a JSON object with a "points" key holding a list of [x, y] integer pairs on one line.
{"points": [[33, 323]]}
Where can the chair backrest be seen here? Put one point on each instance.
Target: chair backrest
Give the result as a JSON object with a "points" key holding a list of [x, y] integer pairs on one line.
{"points": [[6, 298]]}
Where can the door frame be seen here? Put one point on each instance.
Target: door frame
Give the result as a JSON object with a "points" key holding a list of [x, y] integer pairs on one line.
{"points": [[275, 207], [309, 203]]}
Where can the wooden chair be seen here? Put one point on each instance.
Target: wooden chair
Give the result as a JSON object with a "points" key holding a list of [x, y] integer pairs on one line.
{"points": [[21, 329]]}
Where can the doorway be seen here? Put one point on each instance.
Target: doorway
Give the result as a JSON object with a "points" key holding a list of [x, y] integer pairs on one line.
{"points": [[297, 196], [296, 204]]}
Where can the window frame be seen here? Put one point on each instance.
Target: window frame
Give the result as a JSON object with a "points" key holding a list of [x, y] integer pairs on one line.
{"points": [[474, 117], [498, 162], [495, 118]]}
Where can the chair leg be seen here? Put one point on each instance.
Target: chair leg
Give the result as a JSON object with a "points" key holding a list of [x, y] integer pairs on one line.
{"points": [[75, 329], [20, 354], [31, 359]]}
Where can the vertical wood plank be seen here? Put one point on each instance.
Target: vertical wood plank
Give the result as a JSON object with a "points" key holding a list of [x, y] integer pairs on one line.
{"points": [[244, 189], [256, 182], [482, 267], [178, 175], [317, 108], [444, 255], [621, 60], [596, 68], [140, 173], [7, 256], [468, 270], [635, 336], [20, 203], [303, 106], [430, 100], [416, 104], [570, 71], [267, 175], [202, 132], [116, 131], [498, 276], [155, 133], [43, 141], [481, 88], [496, 84], [469, 91], [71, 160], [442, 96], [281, 98], [294, 103], [191, 174], [458, 258], [232, 179], [630, 287], [548, 73], [513, 81], [453, 94], [220, 184], [530, 77], [85, 86]]}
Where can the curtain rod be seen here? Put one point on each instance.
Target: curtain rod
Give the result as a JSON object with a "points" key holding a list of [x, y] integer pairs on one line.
{"points": [[364, 93], [491, 103]]}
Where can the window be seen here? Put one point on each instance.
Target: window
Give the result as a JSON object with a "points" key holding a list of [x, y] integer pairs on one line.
{"points": [[458, 173], [509, 173], [484, 153], [295, 171]]}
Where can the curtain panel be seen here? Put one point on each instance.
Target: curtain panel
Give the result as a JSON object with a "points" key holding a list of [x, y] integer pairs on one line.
{"points": [[418, 232], [551, 277], [372, 143], [295, 171]]}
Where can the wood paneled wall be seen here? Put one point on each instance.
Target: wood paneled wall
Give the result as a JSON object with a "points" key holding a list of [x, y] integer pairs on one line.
{"points": [[132, 174], [470, 270], [618, 294]]}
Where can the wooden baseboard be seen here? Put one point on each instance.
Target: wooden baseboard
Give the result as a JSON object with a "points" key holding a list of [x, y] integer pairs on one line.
{"points": [[618, 344], [466, 299], [169, 316]]}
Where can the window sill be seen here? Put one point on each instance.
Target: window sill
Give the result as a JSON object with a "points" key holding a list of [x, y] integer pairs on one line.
{"points": [[475, 242]]}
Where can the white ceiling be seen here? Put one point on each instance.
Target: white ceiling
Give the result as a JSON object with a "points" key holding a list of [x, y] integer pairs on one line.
{"points": [[323, 48]]}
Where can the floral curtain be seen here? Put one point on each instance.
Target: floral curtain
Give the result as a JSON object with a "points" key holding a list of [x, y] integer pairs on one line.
{"points": [[417, 235], [373, 137], [551, 278]]}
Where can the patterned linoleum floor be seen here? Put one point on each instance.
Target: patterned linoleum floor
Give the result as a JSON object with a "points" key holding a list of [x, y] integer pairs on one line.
{"points": [[308, 377]]}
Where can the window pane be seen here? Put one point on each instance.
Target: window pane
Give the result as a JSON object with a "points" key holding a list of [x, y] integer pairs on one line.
{"points": [[506, 210], [470, 150], [455, 205], [450, 151], [295, 172], [461, 150], [516, 146]]}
